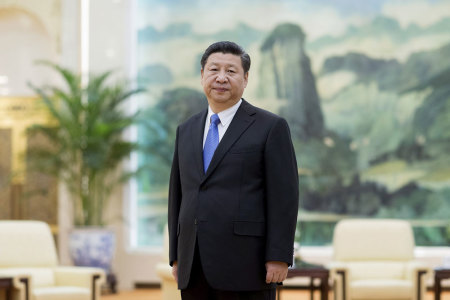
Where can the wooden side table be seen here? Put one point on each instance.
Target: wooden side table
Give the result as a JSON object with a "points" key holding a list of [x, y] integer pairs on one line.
{"points": [[6, 283], [439, 274], [312, 272]]}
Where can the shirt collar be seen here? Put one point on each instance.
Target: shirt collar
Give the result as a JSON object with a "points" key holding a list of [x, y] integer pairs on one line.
{"points": [[225, 116]]}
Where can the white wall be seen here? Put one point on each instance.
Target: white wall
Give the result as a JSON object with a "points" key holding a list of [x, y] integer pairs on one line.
{"points": [[69, 58], [110, 47]]}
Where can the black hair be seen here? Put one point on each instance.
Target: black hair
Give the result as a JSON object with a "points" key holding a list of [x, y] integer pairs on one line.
{"points": [[227, 47]]}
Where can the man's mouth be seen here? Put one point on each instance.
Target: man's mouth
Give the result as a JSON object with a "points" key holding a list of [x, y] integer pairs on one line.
{"points": [[220, 90]]}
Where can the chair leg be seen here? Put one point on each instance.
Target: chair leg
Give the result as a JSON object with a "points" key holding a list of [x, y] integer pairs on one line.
{"points": [[342, 273], [27, 290], [419, 283]]}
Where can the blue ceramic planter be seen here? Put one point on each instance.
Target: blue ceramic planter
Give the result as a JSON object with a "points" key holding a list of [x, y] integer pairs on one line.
{"points": [[92, 247]]}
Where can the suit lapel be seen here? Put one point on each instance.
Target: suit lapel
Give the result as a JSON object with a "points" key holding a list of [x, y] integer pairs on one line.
{"points": [[241, 121], [198, 130]]}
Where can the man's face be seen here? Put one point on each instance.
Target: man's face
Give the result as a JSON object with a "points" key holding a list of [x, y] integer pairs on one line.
{"points": [[223, 80]]}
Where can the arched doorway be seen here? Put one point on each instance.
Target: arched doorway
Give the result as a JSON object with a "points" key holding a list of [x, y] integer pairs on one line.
{"points": [[24, 40]]}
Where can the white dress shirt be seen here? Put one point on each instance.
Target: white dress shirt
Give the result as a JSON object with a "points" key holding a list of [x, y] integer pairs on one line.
{"points": [[225, 117]]}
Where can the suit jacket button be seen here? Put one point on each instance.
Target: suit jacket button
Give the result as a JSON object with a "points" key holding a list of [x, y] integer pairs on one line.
{"points": [[203, 187], [195, 222]]}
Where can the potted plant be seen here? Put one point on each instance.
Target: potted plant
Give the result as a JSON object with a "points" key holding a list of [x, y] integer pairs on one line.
{"points": [[84, 149]]}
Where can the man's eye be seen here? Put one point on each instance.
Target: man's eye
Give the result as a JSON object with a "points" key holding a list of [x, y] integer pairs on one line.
{"points": [[213, 69], [231, 71]]}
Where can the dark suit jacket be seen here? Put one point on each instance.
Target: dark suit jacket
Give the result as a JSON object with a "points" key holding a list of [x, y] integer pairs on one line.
{"points": [[243, 211]]}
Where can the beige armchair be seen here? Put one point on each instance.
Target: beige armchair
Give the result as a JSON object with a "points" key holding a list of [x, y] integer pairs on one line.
{"points": [[169, 287], [28, 255], [374, 259]]}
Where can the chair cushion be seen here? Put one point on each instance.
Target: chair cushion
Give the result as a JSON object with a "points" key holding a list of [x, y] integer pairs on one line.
{"points": [[381, 289], [377, 270], [26, 244], [61, 293]]}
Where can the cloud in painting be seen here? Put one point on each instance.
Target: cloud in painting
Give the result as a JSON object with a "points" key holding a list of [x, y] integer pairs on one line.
{"points": [[420, 12], [208, 17]]}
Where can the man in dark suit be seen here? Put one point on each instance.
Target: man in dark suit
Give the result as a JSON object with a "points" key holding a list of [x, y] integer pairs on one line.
{"points": [[233, 194]]}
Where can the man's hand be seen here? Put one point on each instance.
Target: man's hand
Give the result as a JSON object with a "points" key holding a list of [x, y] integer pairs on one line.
{"points": [[276, 271], [175, 270]]}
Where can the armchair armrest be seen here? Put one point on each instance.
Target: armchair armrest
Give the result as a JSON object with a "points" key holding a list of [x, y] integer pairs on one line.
{"points": [[414, 267], [78, 276], [337, 265], [164, 271], [81, 276], [340, 274], [418, 272]]}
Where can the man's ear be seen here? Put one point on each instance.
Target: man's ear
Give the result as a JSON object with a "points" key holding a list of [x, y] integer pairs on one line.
{"points": [[245, 79]]}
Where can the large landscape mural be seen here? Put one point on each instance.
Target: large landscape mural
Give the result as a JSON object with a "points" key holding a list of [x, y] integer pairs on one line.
{"points": [[364, 86]]}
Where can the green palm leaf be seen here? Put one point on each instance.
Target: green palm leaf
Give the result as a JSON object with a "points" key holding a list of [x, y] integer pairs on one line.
{"points": [[85, 146]]}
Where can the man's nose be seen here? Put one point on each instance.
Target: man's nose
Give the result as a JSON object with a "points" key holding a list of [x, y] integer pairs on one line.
{"points": [[221, 77]]}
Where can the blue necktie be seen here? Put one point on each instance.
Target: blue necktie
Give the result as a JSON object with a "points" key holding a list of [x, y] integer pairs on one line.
{"points": [[211, 142]]}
